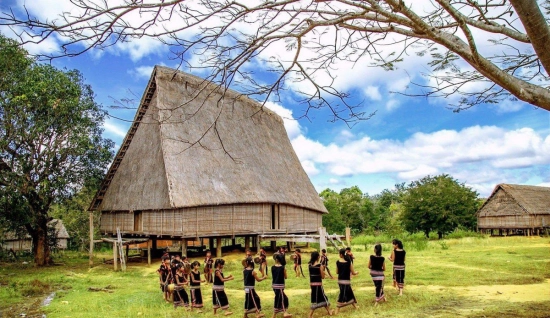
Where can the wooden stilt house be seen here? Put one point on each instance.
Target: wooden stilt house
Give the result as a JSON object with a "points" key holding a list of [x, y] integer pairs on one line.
{"points": [[200, 161], [515, 209]]}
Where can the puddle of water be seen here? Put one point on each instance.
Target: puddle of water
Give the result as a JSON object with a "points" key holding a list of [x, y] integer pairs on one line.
{"points": [[48, 299]]}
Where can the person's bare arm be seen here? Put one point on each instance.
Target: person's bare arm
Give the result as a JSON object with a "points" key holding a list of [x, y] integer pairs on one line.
{"points": [[258, 279], [353, 272]]}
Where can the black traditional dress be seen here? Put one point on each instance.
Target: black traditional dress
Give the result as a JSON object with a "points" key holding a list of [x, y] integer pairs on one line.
{"points": [[346, 296], [318, 297], [219, 298], [164, 272], [377, 274], [251, 299], [195, 289], [208, 261], [180, 295], [281, 300], [399, 268]]}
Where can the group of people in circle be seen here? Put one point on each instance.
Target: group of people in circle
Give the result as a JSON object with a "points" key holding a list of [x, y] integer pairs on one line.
{"points": [[177, 273]]}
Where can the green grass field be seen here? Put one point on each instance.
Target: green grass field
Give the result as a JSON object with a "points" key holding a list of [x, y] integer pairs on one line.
{"points": [[466, 277]]}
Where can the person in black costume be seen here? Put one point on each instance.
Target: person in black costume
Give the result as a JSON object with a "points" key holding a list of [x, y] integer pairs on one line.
{"points": [[195, 286], [278, 272], [344, 269], [316, 274], [252, 302], [377, 268], [398, 258], [219, 297]]}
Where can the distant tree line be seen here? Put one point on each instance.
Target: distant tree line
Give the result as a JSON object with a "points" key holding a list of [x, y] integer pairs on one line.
{"points": [[438, 204]]}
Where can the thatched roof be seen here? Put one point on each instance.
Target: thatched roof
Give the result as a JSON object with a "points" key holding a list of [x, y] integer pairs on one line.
{"points": [[532, 199], [193, 144]]}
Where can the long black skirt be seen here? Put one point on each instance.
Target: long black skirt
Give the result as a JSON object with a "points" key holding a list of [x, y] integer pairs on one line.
{"points": [[280, 303], [219, 299], [318, 297], [346, 296], [181, 299], [251, 301], [196, 298]]}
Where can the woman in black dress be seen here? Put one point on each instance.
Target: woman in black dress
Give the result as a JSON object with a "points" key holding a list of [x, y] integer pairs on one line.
{"points": [[181, 299], [251, 299], [316, 275], [324, 261], [263, 262], [195, 286], [344, 269], [219, 298], [398, 259], [377, 268], [278, 272]]}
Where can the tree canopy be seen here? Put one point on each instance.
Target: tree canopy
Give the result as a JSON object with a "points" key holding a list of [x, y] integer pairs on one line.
{"points": [[439, 204], [481, 51], [50, 141]]}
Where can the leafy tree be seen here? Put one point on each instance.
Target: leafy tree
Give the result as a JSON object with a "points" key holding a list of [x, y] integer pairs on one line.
{"points": [[438, 204], [76, 218], [348, 208], [482, 51], [333, 220], [50, 141]]}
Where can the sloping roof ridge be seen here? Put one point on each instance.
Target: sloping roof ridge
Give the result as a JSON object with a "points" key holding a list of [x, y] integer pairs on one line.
{"points": [[495, 190], [142, 109], [506, 188], [227, 92]]}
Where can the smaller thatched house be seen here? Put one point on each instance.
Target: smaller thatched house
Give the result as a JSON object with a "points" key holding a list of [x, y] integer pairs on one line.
{"points": [[24, 243], [514, 209]]}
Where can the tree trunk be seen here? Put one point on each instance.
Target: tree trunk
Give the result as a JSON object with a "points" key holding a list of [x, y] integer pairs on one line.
{"points": [[40, 247], [536, 27]]}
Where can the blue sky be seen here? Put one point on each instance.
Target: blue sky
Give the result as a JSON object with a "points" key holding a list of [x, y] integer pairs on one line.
{"points": [[407, 139]]}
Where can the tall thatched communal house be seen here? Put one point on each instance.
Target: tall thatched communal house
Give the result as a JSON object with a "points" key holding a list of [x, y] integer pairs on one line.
{"points": [[513, 208], [200, 161]]}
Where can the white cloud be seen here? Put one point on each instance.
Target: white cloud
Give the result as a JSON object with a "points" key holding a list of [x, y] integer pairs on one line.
{"points": [[112, 128], [291, 125], [144, 71], [392, 105], [480, 156], [373, 93], [509, 106]]}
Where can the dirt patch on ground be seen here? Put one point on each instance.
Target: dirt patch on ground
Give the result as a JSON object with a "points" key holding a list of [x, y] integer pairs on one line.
{"points": [[512, 293]]}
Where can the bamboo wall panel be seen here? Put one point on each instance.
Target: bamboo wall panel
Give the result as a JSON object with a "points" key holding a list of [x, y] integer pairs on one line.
{"points": [[513, 222], [189, 217], [106, 222], [214, 220]]}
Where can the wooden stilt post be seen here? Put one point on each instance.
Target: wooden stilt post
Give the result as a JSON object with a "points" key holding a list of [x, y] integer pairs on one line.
{"points": [[183, 247], [246, 243], [273, 245], [257, 240], [91, 256], [149, 252], [127, 251], [218, 247], [322, 238], [115, 252], [348, 236], [211, 244]]}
